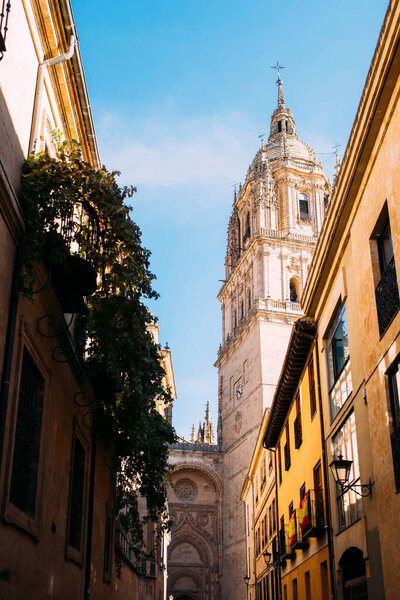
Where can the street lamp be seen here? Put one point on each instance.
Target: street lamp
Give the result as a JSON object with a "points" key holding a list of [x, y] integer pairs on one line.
{"points": [[340, 468], [267, 557]]}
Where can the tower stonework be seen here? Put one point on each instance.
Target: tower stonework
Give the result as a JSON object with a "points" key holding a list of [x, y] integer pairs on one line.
{"points": [[276, 217]]}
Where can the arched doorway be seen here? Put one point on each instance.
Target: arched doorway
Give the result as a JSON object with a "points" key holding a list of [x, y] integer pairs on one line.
{"points": [[354, 575]]}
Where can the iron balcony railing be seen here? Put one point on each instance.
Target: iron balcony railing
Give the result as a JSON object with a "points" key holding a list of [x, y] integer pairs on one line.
{"points": [[387, 297], [312, 522], [298, 541], [285, 549], [298, 434], [4, 14], [125, 549], [304, 217], [395, 440]]}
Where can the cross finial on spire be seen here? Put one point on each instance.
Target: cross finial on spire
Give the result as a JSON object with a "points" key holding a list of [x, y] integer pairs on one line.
{"points": [[278, 67], [279, 83]]}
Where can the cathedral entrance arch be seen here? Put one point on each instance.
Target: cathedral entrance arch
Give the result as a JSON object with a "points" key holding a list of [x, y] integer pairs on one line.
{"points": [[194, 500]]}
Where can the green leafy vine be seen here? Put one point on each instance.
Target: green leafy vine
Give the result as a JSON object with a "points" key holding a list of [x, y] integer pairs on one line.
{"points": [[121, 358]]}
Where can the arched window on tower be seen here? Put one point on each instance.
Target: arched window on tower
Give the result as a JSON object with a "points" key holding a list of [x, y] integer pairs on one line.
{"points": [[294, 287], [242, 309], [246, 234], [248, 299], [279, 126], [304, 208]]}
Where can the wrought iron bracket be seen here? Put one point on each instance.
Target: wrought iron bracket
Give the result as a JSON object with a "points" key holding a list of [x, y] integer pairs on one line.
{"points": [[365, 489]]}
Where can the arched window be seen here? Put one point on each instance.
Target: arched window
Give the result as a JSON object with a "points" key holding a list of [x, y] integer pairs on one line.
{"points": [[304, 209], [248, 299], [294, 290], [242, 309], [279, 126], [246, 234]]}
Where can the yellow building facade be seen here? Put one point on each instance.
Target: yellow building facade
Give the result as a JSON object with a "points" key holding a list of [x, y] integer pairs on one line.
{"points": [[294, 434], [352, 292], [261, 576]]}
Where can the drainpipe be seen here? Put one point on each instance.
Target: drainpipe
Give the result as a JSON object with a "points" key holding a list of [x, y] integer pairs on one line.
{"points": [[37, 104], [327, 502]]}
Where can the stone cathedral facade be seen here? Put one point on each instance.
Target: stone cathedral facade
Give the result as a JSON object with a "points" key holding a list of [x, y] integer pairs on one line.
{"points": [[276, 218]]}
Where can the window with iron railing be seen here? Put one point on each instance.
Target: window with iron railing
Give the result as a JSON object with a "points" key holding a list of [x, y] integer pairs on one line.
{"points": [[286, 450], [384, 270], [25, 463], [338, 360], [394, 389], [76, 498]]}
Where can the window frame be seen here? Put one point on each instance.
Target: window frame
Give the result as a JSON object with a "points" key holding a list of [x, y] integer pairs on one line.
{"points": [[10, 512], [72, 553]]}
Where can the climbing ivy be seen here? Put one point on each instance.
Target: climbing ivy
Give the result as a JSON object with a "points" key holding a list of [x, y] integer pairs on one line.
{"points": [[121, 359]]}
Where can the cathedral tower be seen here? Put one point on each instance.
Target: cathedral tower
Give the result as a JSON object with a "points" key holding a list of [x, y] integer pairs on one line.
{"points": [[276, 217]]}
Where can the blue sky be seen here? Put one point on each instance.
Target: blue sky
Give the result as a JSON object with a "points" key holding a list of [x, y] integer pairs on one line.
{"points": [[180, 91]]}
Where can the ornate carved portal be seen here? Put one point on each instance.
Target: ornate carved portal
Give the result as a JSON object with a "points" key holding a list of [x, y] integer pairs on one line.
{"points": [[194, 552]]}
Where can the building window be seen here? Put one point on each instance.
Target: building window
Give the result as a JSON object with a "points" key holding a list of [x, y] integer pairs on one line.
{"points": [[108, 544], [298, 434], [387, 290], [394, 389], [246, 234], [294, 290], [345, 443], [76, 505], [311, 385], [294, 588], [287, 448], [302, 491], [273, 516], [304, 209], [279, 463], [307, 584], [25, 464], [338, 359]]}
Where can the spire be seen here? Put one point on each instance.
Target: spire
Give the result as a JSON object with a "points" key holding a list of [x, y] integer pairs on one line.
{"points": [[279, 83], [208, 412], [192, 439], [281, 96]]}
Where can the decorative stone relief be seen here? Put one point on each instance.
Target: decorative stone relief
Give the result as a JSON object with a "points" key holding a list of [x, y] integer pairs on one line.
{"points": [[238, 421], [186, 489]]}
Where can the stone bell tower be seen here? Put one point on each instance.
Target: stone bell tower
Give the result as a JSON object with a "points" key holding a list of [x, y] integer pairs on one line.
{"points": [[276, 217]]}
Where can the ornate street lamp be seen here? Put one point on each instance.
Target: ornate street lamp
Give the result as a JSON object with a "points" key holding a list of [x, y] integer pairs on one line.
{"points": [[340, 468], [267, 557]]}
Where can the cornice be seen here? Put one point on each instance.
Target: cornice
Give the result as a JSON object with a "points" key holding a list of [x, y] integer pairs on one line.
{"points": [[375, 100]]}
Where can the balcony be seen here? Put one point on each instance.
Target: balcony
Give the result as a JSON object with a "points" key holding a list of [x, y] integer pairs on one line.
{"points": [[387, 297], [276, 559], [285, 549], [304, 217], [299, 542], [125, 549], [286, 450], [312, 521], [298, 434], [395, 441]]}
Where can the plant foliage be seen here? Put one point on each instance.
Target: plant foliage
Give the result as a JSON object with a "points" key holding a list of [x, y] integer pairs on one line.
{"points": [[121, 358]]}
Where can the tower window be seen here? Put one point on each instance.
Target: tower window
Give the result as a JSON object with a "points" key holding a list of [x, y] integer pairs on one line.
{"points": [[304, 209], [279, 126], [294, 290]]}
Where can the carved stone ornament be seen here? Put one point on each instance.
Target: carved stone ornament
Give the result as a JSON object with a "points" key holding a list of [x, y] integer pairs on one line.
{"points": [[238, 421], [186, 489]]}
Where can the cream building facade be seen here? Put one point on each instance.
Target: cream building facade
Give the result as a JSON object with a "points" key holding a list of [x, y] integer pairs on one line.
{"points": [[276, 217]]}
